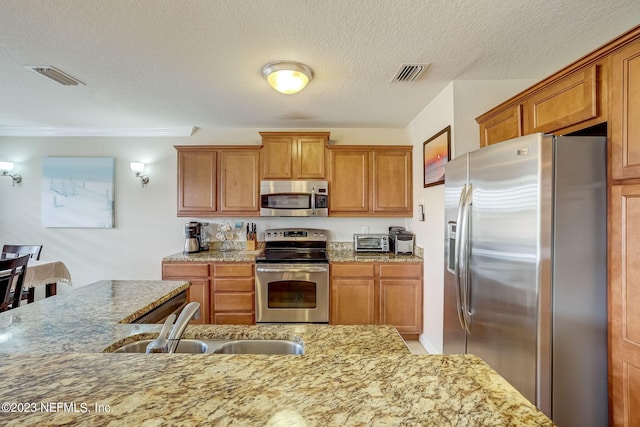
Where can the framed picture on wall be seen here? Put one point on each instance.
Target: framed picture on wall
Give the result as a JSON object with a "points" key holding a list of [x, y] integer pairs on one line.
{"points": [[77, 192], [436, 153]]}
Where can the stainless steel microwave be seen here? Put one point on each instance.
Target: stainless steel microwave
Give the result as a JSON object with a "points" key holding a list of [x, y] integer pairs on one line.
{"points": [[294, 198]]}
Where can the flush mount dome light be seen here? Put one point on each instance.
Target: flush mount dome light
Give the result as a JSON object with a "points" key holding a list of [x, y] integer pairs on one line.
{"points": [[287, 77]]}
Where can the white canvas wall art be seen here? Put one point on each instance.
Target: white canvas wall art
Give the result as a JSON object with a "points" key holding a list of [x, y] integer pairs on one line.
{"points": [[77, 192]]}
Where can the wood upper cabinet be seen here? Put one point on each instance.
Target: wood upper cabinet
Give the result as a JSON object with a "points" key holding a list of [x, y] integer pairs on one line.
{"points": [[624, 303], [288, 155], [572, 99], [199, 291], [197, 181], [349, 181], [392, 182], [239, 181], [371, 181], [233, 300], [378, 293], [502, 125], [625, 112], [218, 180]]}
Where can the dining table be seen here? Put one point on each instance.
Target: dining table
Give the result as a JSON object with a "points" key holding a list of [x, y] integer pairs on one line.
{"points": [[45, 273]]}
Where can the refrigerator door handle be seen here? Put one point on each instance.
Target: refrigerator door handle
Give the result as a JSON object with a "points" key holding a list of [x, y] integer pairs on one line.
{"points": [[464, 255], [456, 263]]}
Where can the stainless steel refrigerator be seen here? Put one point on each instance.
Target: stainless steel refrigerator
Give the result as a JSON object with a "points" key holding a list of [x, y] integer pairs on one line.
{"points": [[525, 274]]}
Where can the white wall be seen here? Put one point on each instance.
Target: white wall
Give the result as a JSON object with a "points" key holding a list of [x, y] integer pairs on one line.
{"points": [[146, 228], [457, 106]]}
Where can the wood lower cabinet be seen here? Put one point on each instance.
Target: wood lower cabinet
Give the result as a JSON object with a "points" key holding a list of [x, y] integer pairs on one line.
{"points": [[371, 181], [233, 299], [625, 112], [218, 181], [353, 294], [294, 155], [378, 293], [401, 297], [199, 291], [624, 303]]}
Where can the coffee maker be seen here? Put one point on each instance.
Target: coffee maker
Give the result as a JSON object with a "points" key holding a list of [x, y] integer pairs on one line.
{"points": [[197, 237], [191, 234]]}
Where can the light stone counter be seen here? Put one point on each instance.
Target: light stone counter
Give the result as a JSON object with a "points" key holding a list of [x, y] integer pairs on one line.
{"points": [[349, 375]]}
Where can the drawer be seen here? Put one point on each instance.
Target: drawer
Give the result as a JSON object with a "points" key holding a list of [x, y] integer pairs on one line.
{"points": [[234, 285], [184, 270], [233, 270], [400, 270], [233, 302], [233, 319], [352, 270]]}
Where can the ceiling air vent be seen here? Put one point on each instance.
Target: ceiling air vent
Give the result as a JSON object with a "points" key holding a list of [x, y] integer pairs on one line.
{"points": [[55, 74], [409, 72]]}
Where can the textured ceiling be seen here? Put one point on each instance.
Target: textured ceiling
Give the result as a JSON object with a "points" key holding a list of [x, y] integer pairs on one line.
{"points": [[154, 63]]}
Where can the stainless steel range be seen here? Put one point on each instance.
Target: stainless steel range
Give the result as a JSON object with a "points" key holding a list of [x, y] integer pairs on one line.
{"points": [[292, 277]]}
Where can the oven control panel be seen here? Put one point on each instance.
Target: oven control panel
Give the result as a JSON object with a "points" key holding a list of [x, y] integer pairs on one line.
{"points": [[295, 234]]}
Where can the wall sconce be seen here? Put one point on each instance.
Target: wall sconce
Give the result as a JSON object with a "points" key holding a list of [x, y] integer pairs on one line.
{"points": [[5, 168], [138, 168], [287, 77]]}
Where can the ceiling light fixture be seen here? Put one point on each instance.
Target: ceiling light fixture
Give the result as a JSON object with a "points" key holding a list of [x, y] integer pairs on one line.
{"points": [[5, 168], [286, 76]]}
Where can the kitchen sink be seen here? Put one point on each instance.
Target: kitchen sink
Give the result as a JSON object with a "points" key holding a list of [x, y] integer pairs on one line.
{"points": [[184, 346], [210, 346], [260, 347]]}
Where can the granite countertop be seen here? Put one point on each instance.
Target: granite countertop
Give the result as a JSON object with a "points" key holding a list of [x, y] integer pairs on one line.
{"points": [[55, 371], [337, 252]]}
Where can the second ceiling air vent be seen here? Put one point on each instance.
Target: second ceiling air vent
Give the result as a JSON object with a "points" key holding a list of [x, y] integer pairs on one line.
{"points": [[409, 72], [54, 74]]}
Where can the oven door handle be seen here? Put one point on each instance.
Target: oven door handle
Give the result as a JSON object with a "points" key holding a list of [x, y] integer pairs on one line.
{"points": [[292, 269]]}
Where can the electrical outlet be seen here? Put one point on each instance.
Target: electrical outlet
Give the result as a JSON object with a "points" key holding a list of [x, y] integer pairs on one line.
{"points": [[365, 229]]}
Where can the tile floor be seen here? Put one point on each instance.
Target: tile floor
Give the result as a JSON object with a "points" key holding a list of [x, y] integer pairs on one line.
{"points": [[416, 347]]}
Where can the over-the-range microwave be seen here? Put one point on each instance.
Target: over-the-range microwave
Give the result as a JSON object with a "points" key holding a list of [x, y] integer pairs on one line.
{"points": [[294, 198]]}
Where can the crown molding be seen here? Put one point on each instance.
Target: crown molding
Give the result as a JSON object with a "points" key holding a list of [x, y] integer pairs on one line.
{"points": [[104, 132]]}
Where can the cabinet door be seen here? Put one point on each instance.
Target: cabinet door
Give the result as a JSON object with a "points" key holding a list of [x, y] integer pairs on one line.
{"points": [[277, 157], [392, 183], [572, 99], [239, 182], [625, 113], [353, 301], [349, 193], [504, 125], [310, 157], [401, 304], [197, 191], [199, 292], [624, 300]]}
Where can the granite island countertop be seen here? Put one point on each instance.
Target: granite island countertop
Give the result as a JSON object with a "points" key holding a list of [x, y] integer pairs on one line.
{"points": [[350, 375]]}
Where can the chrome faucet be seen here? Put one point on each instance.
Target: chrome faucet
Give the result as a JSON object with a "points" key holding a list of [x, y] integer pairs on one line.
{"points": [[190, 311], [169, 345]]}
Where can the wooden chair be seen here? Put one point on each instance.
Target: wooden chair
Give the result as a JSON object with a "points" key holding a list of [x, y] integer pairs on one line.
{"points": [[12, 272], [18, 250], [12, 251]]}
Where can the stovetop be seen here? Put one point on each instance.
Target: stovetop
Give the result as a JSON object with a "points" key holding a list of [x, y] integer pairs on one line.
{"points": [[297, 245]]}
